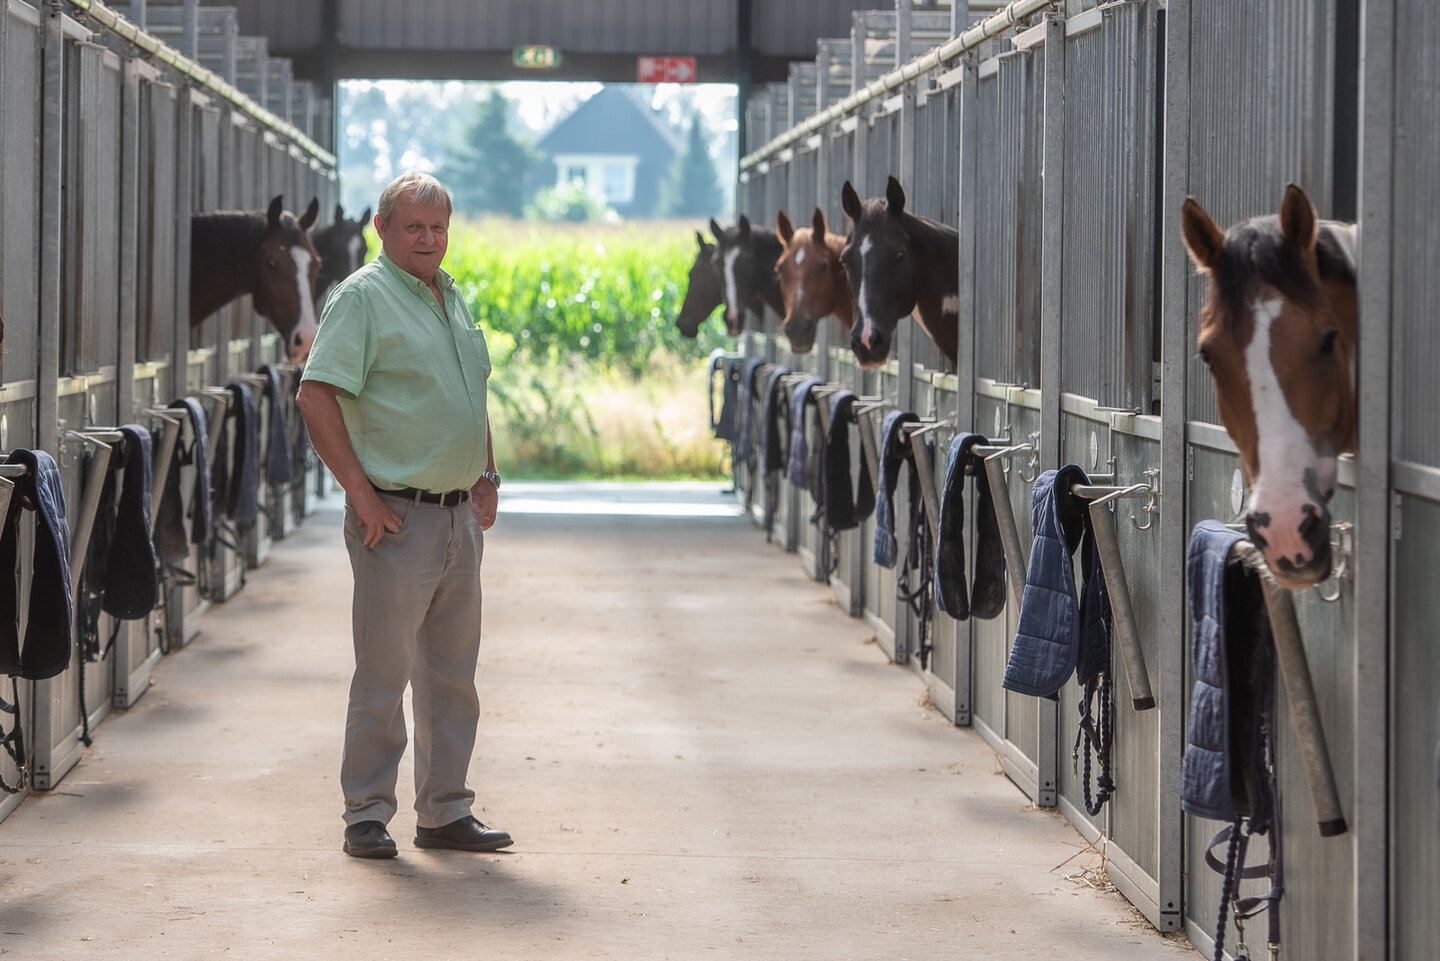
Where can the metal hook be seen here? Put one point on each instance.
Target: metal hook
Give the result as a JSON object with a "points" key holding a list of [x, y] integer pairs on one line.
{"points": [[1342, 546], [1034, 465], [1152, 500]]}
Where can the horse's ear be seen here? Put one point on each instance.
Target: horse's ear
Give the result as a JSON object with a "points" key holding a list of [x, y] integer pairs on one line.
{"points": [[364, 218], [1297, 219], [743, 226], [700, 239], [276, 208], [817, 225], [1203, 238], [715, 230], [311, 214], [339, 213], [784, 227], [895, 196], [850, 202]]}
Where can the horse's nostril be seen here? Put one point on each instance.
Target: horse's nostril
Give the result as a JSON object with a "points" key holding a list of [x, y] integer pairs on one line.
{"points": [[1311, 526]]}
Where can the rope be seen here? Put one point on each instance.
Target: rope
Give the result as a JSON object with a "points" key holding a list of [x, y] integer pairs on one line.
{"points": [[919, 560], [1099, 738], [14, 741]]}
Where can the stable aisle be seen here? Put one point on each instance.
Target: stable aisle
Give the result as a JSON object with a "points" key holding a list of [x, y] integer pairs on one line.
{"points": [[698, 754]]}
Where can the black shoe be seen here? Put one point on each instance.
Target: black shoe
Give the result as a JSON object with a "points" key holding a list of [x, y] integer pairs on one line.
{"points": [[466, 834], [368, 839]]}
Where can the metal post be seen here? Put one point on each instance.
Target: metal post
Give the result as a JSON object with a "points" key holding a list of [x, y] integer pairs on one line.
{"points": [[1174, 527], [52, 232], [129, 238], [1373, 626], [184, 174], [1127, 635]]}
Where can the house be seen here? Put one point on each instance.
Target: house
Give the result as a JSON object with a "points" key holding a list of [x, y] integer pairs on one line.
{"points": [[616, 145]]}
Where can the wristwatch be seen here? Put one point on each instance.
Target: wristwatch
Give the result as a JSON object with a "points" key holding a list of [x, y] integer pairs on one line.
{"points": [[492, 476]]}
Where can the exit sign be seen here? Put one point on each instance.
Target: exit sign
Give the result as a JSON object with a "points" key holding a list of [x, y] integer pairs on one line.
{"points": [[537, 57], [667, 69]]}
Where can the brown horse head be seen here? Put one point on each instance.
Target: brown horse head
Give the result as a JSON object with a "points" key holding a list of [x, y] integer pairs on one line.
{"points": [[702, 290], [266, 254], [1277, 330], [812, 279], [746, 257], [897, 264]]}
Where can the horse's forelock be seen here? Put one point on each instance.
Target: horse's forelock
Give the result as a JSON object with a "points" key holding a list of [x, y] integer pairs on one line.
{"points": [[1255, 252]]}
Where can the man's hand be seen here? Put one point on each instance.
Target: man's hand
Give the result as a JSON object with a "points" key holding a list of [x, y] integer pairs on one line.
{"points": [[484, 501], [374, 516]]}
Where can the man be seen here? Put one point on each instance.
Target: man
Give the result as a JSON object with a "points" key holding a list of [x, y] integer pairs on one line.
{"points": [[394, 398]]}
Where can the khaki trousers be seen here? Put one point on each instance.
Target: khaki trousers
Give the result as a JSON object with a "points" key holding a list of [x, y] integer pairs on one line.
{"points": [[416, 620]]}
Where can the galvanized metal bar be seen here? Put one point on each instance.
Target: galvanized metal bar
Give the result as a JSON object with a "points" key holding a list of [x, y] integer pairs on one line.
{"points": [[1112, 568], [1052, 238], [1378, 370], [129, 239], [928, 62], [154, 49], [1174, 528], [1300, 691], [7, 490], [924, 467], [1017, 561], [163, 459], [870, 448], [83, 523], [52, 229]]}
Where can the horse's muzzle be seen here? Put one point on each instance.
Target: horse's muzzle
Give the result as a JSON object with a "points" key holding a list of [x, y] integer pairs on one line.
{"points": [[1301, 559], [873, 354]]}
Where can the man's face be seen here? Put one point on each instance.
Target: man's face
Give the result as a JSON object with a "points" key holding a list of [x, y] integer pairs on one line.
{"points": [[416, 237]]}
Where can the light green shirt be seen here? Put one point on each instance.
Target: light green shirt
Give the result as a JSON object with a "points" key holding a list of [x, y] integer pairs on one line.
{"points": [[412, 379]]}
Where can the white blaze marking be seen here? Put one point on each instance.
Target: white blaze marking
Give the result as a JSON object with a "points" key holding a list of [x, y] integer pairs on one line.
{"points": [[305, 326], [732, 309], [950, 304], [799, 256], [1284, 451], [867, 326]]}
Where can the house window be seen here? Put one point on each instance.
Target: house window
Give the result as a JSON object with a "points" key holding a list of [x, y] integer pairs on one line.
{"points": [[573, 173], [619, 180]]}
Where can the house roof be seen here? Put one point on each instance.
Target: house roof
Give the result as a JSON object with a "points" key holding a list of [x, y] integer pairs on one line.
{"points": [[612, 121]]}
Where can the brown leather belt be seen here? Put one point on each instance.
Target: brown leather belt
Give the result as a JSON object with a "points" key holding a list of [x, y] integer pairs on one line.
{"points": [[443, 498]]}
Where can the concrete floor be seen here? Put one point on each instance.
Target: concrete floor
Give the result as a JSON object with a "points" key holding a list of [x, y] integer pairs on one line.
{"points": [[698, 754]]}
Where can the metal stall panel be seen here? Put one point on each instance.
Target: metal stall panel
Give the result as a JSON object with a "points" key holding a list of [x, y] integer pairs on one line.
{"points": [[1319, 870], [1137, 862], [1260, 107], [155, 289], [1110, 206], [1415, 657], [19, 193], [1278, 60], [1007, 218]]}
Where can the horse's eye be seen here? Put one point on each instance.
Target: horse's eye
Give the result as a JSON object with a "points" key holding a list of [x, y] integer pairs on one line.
{"points": [[1205, 356], [1327, 343], [899, 255], [270, 262]]}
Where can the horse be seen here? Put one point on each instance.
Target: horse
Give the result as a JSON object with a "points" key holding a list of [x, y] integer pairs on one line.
{"points": [[342, 251], [264, 253], [812, 279], [703, 291], [897, 264], [1277, 331], [747, 270]]}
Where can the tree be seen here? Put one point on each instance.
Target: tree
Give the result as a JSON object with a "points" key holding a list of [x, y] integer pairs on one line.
{"points": [[692, 187], [486, 171]]}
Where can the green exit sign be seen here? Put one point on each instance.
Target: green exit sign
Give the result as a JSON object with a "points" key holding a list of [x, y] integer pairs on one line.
{"points": [[537, 57]]}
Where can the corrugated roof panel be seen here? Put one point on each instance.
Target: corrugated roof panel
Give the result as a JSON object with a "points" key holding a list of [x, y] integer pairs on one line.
{"points": [[781, 27]]}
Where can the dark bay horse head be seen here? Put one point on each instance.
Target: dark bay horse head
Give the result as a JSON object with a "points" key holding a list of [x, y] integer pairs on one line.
{"points": [[1277, 330], [812, 280], [702, 291], [747, 258], [342, 250], [264, 253], [897, 264]]}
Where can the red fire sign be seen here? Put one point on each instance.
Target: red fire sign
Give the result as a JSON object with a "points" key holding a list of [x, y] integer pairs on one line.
{"points": [[667, 69]]}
